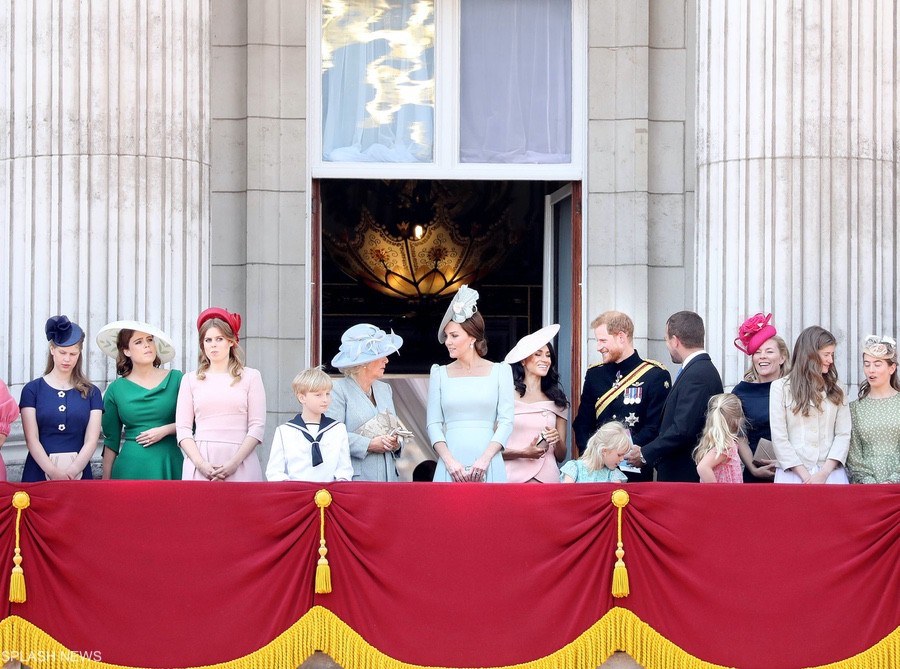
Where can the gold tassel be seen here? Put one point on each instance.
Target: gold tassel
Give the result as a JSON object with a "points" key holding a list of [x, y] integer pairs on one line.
{"points": [[323, 570], [20, 501], [620, 573]]}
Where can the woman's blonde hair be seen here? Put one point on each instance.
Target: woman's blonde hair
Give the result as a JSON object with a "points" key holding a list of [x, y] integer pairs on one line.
{"points": [[725, 423], [751, 375], [612, 436], [235, 354]]}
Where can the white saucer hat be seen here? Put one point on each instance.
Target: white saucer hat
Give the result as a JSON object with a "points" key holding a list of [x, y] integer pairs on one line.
{"points": [[109, 333], [531, 343]]}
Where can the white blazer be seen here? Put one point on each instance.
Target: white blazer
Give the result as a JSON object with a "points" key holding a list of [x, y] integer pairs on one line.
{"points": [[807, 440]]}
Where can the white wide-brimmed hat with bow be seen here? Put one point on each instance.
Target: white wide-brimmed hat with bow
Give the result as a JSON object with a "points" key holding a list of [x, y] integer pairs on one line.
{"points": [[462, 307], [109, 334], [364, 343], [531, 343]]}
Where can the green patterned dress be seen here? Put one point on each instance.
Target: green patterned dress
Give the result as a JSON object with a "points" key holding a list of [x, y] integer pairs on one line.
{"points": [[874, 455]]}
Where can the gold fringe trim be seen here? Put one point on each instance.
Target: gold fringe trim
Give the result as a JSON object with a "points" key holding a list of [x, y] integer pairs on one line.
{"points": [[320, 629]]}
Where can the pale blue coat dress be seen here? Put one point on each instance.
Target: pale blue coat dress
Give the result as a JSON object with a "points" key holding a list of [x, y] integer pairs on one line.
{"points": [[351, 406], [468, 413]]}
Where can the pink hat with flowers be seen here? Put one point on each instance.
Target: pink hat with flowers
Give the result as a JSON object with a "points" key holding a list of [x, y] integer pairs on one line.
{"points": [[754, 332]]}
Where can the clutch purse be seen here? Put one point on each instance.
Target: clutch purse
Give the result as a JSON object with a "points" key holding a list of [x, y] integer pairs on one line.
{"points": [[383, 424], [64, 461], [764, 451]]}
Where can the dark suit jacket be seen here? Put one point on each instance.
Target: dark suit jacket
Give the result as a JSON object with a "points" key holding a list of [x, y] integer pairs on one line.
{"points": [[683, 418]]}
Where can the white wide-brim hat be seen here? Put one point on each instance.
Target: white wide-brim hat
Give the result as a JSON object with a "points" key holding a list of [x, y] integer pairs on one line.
{"points": [[462, 307], [531, 343], [109, 333], [364, 343]]}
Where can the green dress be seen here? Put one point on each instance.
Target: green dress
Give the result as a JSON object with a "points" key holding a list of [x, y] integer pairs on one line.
{"points": [[135, 408], [874, 455]]}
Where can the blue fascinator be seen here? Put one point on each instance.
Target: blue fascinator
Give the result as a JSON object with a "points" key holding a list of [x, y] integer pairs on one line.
{"points": [[63, 332]]}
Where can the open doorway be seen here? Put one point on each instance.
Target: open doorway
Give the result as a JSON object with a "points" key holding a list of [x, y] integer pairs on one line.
{"points": [[394, 252]]}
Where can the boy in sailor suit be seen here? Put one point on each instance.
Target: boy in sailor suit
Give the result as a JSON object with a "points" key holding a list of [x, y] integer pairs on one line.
{"points": [[311, 446]]}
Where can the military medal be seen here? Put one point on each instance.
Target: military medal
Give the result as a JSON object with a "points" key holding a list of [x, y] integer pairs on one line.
{"points": [[631, 420], [617, 380], [633, 394]]}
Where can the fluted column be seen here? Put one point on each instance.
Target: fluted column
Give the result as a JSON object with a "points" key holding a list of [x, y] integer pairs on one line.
{"points": [[104, 171], [797, 151]]}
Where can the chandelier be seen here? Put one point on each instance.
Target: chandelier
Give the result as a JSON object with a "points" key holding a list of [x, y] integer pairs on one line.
{"points": [[420, 240]]}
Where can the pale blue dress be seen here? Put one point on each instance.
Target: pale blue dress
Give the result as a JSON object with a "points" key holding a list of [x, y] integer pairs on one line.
{"points": [[468, 413], [581, 474]]}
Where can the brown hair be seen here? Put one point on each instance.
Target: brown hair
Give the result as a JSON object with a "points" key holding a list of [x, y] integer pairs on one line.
{"points": [[124, 365], [615, 322], [235, 354], [79, 380], [474, 327], [807, 382], [865, 389], [688, 327]]}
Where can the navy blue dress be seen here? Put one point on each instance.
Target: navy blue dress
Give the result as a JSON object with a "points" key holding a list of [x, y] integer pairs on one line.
{"points": [[62, 419], [755, 400]]}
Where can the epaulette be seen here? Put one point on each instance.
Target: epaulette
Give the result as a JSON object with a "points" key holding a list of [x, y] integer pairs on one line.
{"points": [[657, 363], [596, 364]]}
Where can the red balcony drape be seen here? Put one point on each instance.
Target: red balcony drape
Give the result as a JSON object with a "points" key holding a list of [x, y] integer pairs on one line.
{"points": [[159, 574]]}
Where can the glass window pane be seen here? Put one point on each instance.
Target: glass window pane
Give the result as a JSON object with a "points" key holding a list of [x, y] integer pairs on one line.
{"points": [[378, 80], [516, 81]]}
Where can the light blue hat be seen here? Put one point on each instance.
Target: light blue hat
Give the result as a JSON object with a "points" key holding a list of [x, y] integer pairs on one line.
{"points": [[364, 343], [462, 307]]}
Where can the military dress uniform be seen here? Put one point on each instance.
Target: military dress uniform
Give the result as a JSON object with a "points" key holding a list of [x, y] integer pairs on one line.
{"points": [[644, 385]]}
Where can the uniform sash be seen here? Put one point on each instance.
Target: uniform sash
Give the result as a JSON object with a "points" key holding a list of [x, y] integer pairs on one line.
{"points": [[610, 395]]}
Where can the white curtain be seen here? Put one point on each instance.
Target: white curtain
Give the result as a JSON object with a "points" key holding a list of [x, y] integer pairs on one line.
{"points": [[516, 81], [384, 50]]}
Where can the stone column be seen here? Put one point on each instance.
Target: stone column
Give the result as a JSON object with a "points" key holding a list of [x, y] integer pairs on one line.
{"points": [[616, 251], [104, 172], [797, 151]]}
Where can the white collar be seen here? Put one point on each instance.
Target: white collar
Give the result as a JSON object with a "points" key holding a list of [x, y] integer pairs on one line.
{"points": [[691, 357]]}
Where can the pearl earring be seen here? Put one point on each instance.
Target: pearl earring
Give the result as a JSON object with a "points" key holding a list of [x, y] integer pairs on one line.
{"points": [[471, 344]]}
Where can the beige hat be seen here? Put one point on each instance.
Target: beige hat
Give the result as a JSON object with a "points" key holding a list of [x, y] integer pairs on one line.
{"points": [[883, 348], [531, 343], [109, 333], [462, 307]]}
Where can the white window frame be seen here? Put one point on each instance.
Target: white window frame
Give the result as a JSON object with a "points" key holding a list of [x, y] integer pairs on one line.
{"points": [[446, 164]]}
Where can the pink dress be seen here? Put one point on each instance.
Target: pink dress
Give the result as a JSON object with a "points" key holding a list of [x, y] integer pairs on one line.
{"points": [[730, 470], [9, 411], [224, 415], [529, 420]]}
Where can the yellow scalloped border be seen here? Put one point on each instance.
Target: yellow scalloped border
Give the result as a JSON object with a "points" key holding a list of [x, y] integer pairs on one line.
{"points": [[320, 629]]}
